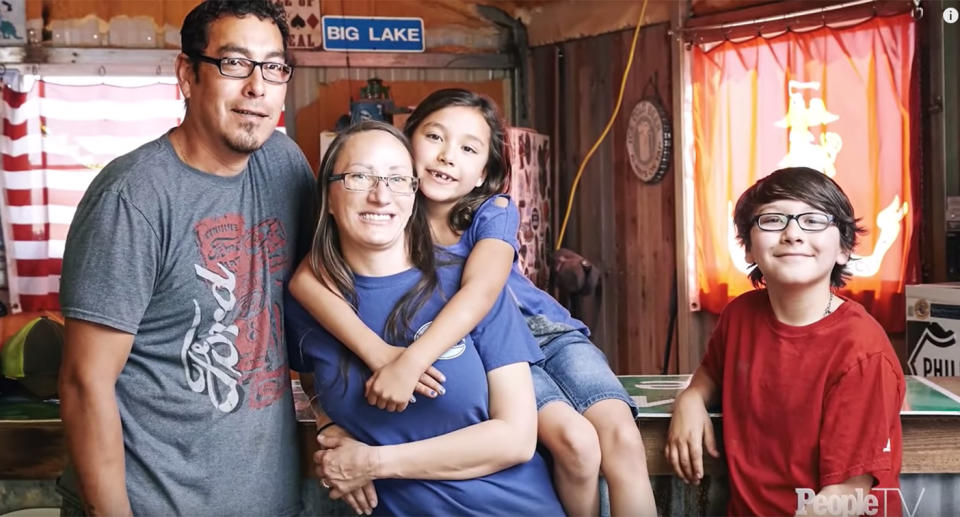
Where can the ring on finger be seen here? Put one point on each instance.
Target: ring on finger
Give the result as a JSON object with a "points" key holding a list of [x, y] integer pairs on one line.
{"points": [[324, 483]]}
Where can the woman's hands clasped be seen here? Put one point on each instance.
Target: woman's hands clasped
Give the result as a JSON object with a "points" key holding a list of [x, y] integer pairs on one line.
{"points": [[347, 468]]}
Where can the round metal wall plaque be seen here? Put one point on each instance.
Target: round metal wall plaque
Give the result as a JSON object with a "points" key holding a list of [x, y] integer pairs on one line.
{"points": [[649, 141]]}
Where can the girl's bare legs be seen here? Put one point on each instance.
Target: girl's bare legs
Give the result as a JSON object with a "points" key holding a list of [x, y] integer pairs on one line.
{"points": [[572, 441], [623, 459]]}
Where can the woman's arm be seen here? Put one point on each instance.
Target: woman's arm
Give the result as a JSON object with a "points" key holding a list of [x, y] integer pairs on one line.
{"points": [[508, 438], [333, 313], [484, 275]]}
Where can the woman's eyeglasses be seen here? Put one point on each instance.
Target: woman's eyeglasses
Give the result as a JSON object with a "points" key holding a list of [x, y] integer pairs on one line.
{"points": [[363, 182]]}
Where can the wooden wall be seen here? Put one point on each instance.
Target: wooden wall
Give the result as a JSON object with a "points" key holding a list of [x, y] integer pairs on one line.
{"points": [[618, 222]]}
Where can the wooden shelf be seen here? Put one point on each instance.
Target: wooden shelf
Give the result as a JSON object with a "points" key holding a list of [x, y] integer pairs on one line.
{"points": [[302, 58]]}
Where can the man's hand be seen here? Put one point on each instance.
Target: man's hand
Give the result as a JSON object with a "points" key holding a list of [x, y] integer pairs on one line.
{"points": [[690, 430], [393, 389]]}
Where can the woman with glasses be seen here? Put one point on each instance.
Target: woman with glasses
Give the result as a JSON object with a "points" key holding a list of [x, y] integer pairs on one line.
{"points": [[471, 452]]}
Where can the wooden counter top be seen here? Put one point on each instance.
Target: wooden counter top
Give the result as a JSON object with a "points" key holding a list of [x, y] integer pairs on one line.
{"points": [[35, 448]]}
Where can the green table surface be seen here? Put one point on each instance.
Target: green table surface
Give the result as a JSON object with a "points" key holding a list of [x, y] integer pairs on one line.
{"points": [[655, 395]]}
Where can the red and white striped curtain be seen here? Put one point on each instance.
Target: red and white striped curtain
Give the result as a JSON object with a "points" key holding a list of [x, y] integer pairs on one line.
{"points": [[58, 132]]}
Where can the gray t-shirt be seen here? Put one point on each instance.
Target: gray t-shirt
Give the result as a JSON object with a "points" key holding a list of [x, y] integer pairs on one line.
{"points": [[193, 265]]}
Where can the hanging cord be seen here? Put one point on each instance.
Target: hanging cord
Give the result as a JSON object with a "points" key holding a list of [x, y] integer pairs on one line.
{"points": [[671, 326], [613, 116]]}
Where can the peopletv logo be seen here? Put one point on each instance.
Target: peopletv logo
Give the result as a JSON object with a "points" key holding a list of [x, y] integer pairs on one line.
{"points": [[858, 503]]}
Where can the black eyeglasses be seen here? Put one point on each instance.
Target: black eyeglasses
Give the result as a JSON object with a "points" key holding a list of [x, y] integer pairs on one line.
{"points": [[808, 221], [363, 182], [241, 68]]}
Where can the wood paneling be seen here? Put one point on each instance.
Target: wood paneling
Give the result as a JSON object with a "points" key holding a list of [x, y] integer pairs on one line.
{"points": [[569, 19], [620, 223], [170, 12], [646, 217], [701, 7], [32, 450], [591, 78]]}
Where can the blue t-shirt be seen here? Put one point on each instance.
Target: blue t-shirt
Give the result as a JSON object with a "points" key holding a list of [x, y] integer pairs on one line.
{"points": [[494, 222], [501, 338]]}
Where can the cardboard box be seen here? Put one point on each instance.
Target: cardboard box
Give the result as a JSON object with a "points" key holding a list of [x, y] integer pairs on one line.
{"points": [[933, 327], [326, 138]]}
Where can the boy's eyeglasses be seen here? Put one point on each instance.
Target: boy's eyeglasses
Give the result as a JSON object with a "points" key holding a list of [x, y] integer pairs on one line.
{"points": [[808, 222], [363, 182], [241, 68]]}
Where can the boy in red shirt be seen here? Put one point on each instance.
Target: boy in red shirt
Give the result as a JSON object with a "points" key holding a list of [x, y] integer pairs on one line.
{"points": [[810, 386]]}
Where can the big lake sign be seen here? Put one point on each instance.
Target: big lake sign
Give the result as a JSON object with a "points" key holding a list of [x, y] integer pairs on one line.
{"points": [[372, 34]]}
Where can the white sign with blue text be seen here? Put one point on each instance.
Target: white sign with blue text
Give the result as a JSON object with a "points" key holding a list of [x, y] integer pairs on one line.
{"points": [[373, 34]]}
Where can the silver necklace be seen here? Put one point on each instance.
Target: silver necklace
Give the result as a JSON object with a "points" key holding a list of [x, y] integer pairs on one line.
{"points": [[827, 311]]}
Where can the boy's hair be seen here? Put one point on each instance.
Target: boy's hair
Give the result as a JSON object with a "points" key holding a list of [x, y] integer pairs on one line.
{"points": [[808, 186], [195, 33], [496, 168]]}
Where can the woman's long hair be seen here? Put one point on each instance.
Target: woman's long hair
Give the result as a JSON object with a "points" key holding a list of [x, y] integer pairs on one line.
{"points": [[326, 256], [461, 215]]}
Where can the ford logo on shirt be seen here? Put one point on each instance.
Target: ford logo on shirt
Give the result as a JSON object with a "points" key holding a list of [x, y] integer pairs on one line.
{"points": [[453, 352]]}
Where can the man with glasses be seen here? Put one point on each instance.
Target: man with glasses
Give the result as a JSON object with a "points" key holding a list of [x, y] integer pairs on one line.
{"points": [[175, 384]]}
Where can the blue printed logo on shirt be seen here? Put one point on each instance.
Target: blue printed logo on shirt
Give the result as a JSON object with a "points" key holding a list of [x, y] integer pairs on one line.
{"points": [[453, 352]]}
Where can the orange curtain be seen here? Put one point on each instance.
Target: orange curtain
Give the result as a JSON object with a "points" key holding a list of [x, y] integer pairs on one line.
{"points": [[838, 100]]}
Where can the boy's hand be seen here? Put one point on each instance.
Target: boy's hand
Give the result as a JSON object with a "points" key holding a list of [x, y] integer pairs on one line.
{"points": [[690, 430], [392, 386]]}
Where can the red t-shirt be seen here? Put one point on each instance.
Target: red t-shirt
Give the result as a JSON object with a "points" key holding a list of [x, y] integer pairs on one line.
{"points": [[805, 407]]}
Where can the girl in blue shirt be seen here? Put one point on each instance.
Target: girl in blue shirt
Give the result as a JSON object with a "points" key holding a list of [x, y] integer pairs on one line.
{"points": [[585, 417]]}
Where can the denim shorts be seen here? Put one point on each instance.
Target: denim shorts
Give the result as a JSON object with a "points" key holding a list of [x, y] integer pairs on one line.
{"points": [[575, 371]]}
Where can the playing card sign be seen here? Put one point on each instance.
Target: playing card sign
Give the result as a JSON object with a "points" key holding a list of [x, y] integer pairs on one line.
{"points": [[303, 17]]}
